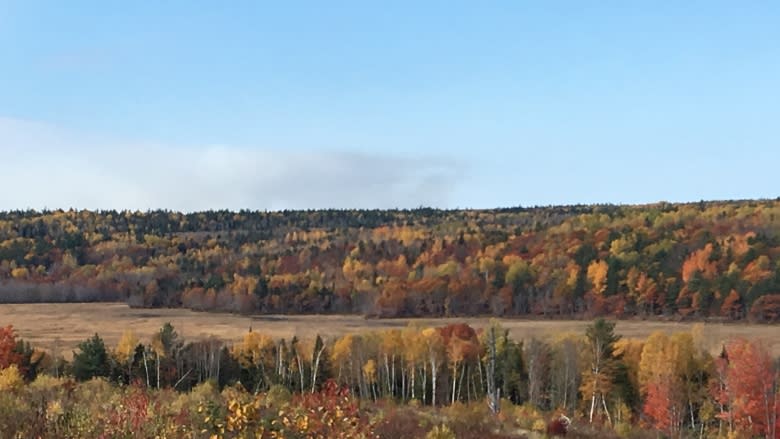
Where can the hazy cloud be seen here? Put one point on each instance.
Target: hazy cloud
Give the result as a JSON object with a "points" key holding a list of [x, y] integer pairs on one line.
{"points": [[46, 166]]}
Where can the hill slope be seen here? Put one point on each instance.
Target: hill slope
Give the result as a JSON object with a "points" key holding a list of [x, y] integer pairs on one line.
{"points": [[700, 259]]}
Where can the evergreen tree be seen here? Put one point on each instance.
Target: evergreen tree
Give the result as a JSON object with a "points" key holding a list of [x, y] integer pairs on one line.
{"points": [[92, 360], [513, 376], [598, 380]]}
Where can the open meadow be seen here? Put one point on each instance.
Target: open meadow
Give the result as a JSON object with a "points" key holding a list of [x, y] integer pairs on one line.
{"points": [[63, 326]]}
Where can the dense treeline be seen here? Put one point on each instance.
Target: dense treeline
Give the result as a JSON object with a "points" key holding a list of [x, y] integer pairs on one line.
{"points": [[704, 260], [394, 383]]}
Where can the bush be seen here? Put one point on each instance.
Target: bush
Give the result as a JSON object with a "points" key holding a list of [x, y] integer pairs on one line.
{"points": [[10, 379], [527, 416], [12, 415], [472, 421], [440, 432], [401, 422], [50, 396], [277, 396], [539, 426]]}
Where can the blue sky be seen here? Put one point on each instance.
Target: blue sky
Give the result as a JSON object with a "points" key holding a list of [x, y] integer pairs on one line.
{"points": [[270, 105]]}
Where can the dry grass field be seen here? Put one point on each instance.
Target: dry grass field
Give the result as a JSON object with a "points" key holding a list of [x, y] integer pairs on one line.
{"points": [[65, 325]]}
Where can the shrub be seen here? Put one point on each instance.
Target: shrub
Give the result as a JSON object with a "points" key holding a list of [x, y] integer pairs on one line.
{"points": [[440, 432], [12, 415], [400, 422], [277, 396], [10, 379], [526, 416]]}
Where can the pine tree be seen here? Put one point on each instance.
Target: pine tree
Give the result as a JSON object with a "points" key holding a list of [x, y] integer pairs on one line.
{"points": [[598, 380], [92, 360]]}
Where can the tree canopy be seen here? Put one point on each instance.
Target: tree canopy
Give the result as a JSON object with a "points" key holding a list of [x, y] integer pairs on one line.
{"points": [[709, 259]]}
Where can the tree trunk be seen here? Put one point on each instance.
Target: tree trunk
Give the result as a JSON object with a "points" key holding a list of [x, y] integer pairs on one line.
{"points": [[479, 371], [403, 384], [460, 381], [606, 410], [454, 381], [411, 384], [146, 368], [566, 385], [387, 374], [424, 381], [316, 369], [392, 380], [433, 383], [490, 378], [300, 369]]}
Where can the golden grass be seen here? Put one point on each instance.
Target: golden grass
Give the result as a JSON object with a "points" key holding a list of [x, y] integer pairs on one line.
{"points": [[65, 325]]}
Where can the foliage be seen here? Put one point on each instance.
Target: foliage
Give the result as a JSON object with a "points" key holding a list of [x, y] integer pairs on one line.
{"points": [[402, 383], [8, 353], [599, 379], [708, 259], [92, 359], [10, 379], [440, 432], [751, 385]]}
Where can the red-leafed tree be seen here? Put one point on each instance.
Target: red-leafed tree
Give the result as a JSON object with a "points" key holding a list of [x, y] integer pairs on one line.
{"points": [[8, 354], [657, 408], [766, 308], [751, 386]]}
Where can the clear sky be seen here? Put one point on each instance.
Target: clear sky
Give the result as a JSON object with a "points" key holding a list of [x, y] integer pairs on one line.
{"points": [[192, 105]]}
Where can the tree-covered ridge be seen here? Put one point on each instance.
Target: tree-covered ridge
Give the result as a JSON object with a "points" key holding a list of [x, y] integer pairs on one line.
{"points": [[704, 259]]}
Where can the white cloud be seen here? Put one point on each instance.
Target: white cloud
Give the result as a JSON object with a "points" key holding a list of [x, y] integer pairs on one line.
{"points": [[46, 166]]}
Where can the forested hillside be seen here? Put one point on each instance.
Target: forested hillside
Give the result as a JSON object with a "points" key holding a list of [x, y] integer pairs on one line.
{"points": [[707, 259]]}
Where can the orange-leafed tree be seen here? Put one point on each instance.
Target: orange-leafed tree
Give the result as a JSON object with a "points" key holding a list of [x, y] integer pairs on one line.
{"points": [[732, 306], [597, 275], [758, 270], [462, 346], [648, 294], [700, 262], [657, 380]]}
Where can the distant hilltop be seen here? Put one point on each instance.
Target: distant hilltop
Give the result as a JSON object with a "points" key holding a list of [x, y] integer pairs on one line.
{"points": [[709, 259]]}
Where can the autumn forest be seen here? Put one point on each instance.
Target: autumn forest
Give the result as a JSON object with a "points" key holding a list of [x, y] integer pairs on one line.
{"points": [[700, 260], [715, 262]]}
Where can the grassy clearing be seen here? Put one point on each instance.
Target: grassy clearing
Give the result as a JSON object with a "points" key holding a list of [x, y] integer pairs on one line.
{"points": [[63, 326]]}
